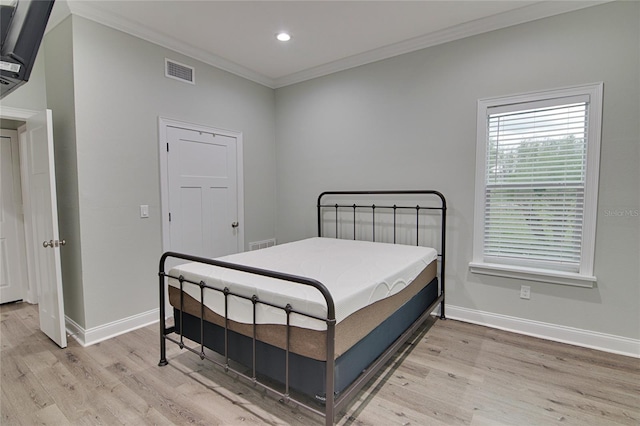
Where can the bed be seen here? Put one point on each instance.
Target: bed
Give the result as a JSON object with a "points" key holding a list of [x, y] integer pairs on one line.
{"points": [[314, 320]]}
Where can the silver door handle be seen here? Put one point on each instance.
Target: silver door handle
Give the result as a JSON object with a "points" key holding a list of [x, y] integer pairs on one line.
{"points": [[235, 224], [52, 243]]}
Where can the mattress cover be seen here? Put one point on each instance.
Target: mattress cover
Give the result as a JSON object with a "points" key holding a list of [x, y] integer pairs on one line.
{"points": [[356, 273]]}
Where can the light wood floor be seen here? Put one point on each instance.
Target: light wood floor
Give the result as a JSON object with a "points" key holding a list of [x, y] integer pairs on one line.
{"points": [[452, 373]]}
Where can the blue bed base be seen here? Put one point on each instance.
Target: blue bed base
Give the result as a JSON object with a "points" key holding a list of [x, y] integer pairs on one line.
{"points": [[308, 375]]}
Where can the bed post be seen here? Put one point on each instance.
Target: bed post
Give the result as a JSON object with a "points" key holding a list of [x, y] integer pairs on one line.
{"points": [[163, 342], [330, 363], [443, 248], [319, 213]]}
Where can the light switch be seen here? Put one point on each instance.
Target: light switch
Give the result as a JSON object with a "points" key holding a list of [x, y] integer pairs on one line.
{"points": [[144, 210]]}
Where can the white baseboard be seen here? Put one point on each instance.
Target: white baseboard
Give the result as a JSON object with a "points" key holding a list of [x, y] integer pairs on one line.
{"points": [[573, 336], [103, 332]]}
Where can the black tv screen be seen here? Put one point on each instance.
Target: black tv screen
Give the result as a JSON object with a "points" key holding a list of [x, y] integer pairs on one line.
{"points": [[23, 24]]}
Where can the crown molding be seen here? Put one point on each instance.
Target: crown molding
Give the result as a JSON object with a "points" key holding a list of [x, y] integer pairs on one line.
{"points": [[88, 10], [518, 16], [522, 15]]}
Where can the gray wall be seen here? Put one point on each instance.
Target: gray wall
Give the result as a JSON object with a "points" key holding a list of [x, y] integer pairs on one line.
{"points": [[119, 92], [58, 53], [410, 122]]}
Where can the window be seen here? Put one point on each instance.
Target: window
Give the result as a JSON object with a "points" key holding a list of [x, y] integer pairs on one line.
{"points": [[536, 185]]}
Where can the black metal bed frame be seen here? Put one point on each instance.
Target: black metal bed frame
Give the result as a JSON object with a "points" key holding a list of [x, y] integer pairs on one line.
{"points": [[333, 403]]}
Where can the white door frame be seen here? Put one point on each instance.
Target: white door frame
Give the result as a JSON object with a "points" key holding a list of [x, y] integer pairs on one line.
{"points": [[31, 291], [163, 123]]}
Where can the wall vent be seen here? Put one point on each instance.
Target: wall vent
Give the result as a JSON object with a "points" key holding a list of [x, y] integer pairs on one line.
{"points": [[178, 71], [257, 245]]}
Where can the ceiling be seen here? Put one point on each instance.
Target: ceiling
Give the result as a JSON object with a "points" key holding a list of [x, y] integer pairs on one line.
{"points": [[327, 36]]}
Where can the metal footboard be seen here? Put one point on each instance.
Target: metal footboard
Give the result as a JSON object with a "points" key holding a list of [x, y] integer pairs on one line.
{"points": [[333, 403], [166, 332]]}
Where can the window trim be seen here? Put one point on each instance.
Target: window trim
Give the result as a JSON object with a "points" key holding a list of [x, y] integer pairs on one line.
{"points": [[585, 276]]}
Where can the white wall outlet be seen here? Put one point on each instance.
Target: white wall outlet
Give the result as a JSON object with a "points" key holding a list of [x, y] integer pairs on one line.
{"points": [[525, 292], [144, 210]]}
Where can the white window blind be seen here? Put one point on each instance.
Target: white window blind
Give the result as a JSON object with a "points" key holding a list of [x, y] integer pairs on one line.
{"points": [[537, 185]]}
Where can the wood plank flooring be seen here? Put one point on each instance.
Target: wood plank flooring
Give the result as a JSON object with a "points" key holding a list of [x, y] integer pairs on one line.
{"points": [[452, 373]]}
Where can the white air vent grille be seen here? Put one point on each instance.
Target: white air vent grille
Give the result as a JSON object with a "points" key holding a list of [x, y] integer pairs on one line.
{"points": [[178, 71], [257, 245]]}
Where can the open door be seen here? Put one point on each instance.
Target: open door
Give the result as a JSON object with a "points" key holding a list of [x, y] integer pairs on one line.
{"points": [[44, 222]]}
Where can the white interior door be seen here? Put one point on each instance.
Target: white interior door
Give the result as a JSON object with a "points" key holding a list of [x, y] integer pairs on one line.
{"points": [[13, 262], [44, 218], [203, 192]]}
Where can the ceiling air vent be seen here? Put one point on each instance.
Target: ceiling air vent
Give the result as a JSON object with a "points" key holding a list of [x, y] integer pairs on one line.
{"points": [[178, 71]]}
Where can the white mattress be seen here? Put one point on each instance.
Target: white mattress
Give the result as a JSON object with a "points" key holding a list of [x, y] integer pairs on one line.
{"points": [[356, 273]]}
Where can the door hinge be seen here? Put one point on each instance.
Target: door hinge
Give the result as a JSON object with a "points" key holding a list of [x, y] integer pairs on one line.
{"points": [[169, 217], [167, 146]]}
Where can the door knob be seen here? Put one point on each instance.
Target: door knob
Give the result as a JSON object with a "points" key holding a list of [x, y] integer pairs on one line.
{"points": [[235, 224], [53, 244]]}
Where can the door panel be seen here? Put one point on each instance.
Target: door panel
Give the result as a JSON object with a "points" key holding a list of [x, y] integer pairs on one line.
{"points": [[203, 200], [222, 216], [44, 218], [189, 214]]}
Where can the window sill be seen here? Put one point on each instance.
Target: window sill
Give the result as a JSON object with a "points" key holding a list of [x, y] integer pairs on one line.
{"points": [[530, 274]]}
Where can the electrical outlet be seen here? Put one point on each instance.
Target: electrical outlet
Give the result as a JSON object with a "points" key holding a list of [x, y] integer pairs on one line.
{"points": [[525, 292]]}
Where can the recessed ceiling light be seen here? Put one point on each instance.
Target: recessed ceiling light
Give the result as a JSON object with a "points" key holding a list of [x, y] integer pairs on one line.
{"points": [[283, 36]]}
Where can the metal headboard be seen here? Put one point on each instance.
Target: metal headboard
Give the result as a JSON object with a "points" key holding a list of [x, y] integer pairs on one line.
{"points": [[394, 208]]}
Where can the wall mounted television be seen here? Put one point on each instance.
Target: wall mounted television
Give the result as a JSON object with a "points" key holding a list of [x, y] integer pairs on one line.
{"points": [[22, 25]]}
